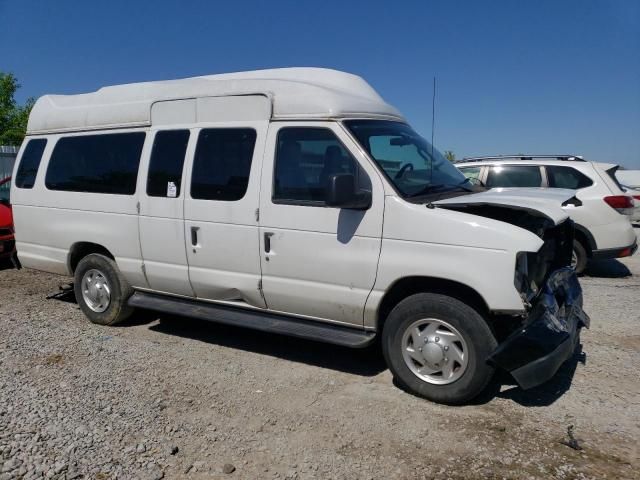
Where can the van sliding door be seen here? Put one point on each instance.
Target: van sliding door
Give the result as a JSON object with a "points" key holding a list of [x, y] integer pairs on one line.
{"points": [[161, 213], [222, 198]]}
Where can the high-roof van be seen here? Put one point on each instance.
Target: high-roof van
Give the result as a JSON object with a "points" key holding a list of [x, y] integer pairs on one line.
{"points": [[297, 201]]}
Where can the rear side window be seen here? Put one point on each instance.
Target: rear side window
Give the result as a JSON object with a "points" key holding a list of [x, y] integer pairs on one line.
{"points": [[514, 176], [96, 163], [167, 160], [222, 163], [28, 169], [567, 177]]}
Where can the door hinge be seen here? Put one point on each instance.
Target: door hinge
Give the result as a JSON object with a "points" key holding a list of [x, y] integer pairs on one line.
{"points": [[257, 214], [138, 207], [144, 270], [260, 289]]}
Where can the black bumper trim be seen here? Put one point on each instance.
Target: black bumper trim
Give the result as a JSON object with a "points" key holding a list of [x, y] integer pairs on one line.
{"points": [[543, 369], [608, 253], [534, 352]]}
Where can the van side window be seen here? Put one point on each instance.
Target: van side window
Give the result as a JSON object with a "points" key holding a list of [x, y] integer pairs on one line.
{"points": [[567, 177], [305, 159], [106, 163], [28, 169], [514, 176], [167, 160], [222, 163]]}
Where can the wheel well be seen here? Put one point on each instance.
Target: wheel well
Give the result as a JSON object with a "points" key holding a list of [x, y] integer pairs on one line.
{"points": [[408, 286], [82, 249]]}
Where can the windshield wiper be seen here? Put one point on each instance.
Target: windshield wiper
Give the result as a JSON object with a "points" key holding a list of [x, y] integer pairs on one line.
{"points": [[439, 186]]}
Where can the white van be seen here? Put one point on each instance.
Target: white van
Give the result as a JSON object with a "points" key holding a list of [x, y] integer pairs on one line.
{"points": [[296, 201]]}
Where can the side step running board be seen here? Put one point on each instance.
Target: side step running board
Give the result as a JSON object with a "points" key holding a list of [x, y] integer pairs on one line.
{"points": [[255, 319]]}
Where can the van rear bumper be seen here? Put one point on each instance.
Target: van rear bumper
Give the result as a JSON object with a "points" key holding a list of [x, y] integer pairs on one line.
{"points": [[534, 353]]}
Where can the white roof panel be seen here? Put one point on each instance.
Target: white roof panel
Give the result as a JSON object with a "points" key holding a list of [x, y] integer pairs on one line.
{"points": [[295, 93]]}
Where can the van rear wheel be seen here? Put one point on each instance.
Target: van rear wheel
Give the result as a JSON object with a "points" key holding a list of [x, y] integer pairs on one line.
{"points": [[436, 347], [101, 290]]}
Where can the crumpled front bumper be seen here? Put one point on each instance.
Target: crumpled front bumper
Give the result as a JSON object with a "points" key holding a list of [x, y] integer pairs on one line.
{"points": [[535, 352]]}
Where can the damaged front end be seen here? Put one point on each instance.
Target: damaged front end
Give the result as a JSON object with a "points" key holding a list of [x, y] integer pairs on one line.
{"points": [[532, 346], [549, 335]]}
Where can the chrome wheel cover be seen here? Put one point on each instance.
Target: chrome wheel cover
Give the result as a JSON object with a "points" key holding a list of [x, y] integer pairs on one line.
{"points": [[96, 291], [435, 351]]}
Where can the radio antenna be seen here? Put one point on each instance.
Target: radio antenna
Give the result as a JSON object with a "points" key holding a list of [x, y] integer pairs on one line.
{"points": [[433, 114]]}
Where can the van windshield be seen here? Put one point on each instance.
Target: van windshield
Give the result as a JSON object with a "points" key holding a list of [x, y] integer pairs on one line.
{"points": [[408, 160]]}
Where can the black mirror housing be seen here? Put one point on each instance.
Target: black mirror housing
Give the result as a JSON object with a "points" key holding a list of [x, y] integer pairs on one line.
{"points": [[343, 193]]}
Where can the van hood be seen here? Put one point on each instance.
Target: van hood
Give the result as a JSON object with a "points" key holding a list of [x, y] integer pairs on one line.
{"points": [[539, 202]]}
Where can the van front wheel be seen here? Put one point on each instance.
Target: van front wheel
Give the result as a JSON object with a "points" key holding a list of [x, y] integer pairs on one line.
{"points": [[101, 290], [436, 347]]}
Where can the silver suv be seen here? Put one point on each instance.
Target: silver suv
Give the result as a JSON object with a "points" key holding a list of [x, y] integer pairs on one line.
{"points": [[602, 220]]}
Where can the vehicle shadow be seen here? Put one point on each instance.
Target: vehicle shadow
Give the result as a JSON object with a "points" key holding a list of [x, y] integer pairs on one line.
{"points": [[607, 269], [365, 362]]}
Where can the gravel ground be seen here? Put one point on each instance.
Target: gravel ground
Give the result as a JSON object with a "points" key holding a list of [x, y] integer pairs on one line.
{"points": [[176, 398]]}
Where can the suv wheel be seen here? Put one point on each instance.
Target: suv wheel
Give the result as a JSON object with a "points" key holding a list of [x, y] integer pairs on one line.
{"points": [[578, 257], [436, 347], [101, 290]]}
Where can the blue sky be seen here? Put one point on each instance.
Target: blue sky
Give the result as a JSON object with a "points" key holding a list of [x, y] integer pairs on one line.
{"points": [[513, 76]]}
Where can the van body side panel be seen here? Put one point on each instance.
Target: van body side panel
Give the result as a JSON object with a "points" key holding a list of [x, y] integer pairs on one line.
{"points": [[49, 222], [434, 242]]}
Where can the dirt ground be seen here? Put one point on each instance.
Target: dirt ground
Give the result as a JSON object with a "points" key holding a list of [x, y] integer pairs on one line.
{"points": [[176, 398]]}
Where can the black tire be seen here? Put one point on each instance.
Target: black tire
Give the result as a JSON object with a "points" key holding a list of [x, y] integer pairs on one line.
{"points": [[581, 256], [473, 328], [117, 309]]}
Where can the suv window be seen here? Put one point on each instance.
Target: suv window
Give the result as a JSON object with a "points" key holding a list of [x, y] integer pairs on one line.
{"points": [[167, 160], [472, 173], [305, 159], [222, 163], [28, 169], [514, 176], [567, 177], [105, 163]]}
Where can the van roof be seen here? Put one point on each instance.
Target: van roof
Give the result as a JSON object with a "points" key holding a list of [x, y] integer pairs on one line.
{"points": [[294, 93]]}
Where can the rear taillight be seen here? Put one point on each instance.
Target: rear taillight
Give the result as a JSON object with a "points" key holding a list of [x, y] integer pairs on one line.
{"points": [[621, 203]]}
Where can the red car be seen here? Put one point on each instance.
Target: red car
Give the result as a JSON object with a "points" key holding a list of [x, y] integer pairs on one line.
{"points": [[7, 242]]}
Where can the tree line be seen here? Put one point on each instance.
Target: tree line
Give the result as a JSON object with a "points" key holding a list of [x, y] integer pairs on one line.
{"points": [[13, 117]]}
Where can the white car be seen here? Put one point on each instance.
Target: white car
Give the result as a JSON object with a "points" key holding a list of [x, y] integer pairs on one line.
{"points": [[602, 215], [296, 201], [635, 193]]}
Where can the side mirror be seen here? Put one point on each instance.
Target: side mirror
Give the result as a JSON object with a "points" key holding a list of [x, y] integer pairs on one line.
{"points": [[342, 193]]}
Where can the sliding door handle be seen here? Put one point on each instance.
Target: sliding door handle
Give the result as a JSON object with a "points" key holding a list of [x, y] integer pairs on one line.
{"points": [[194, 235], [267, 241]]}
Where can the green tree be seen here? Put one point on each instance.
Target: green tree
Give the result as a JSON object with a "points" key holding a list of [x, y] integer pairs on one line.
{"points": [[13, 117], [449, 155]]}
